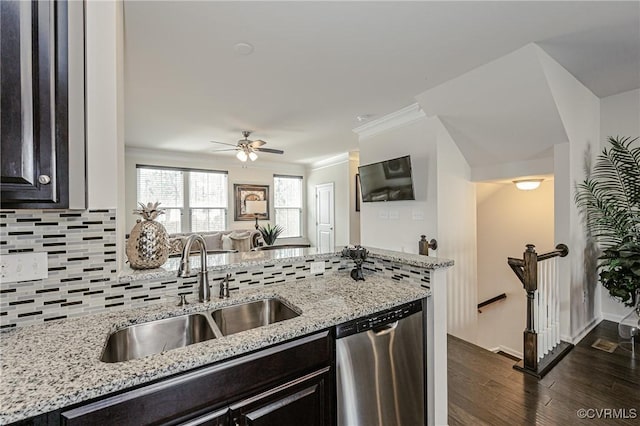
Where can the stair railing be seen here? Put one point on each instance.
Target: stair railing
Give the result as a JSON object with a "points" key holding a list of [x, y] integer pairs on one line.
{"points": [[488, 302], [542, 347]]}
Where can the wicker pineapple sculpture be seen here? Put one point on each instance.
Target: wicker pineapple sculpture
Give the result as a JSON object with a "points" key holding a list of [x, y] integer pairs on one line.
{"points": [[148, 244]]}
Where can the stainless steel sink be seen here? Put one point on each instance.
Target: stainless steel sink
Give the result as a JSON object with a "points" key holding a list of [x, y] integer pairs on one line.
{"points": [[153, 337], [245, 316], [158, 336]]}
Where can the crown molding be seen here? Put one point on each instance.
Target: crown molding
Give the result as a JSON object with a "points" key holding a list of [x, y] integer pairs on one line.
{"points": [[398, 118], [165, 157], [331, 161]]}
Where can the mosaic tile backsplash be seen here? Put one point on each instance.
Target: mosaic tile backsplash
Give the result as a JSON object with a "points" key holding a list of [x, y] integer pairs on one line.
{"points": [[81, 248]]}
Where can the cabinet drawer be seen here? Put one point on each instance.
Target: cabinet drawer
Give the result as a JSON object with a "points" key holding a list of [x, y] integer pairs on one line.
{"points": [[181, 397], [303, 401]]}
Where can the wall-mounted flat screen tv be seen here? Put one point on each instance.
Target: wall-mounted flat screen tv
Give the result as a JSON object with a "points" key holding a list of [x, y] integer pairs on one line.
{"points": [[388, 180]]}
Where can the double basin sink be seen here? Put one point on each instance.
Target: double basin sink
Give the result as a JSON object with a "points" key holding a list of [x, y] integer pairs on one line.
{"points": [[158, 336]]}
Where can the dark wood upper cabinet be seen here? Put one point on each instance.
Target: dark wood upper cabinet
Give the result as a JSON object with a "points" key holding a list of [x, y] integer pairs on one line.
{"points": [[34, 91]]}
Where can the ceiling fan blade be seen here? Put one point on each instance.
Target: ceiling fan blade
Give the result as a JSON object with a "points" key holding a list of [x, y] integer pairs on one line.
{"points": [[257, 143], [269, 150], [221, 150], [223, 143]]}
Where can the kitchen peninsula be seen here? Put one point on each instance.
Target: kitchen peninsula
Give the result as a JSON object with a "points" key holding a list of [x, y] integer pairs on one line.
{"points": [[69, 351]]}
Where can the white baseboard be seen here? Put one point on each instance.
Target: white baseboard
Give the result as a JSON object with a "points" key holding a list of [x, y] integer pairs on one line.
{"points": [[613, 317], [506, 350], [585, 330]]}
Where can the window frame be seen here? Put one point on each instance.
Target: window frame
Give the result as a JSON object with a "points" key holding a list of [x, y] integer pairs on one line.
{"points": [[186, 209], [300, 209]]}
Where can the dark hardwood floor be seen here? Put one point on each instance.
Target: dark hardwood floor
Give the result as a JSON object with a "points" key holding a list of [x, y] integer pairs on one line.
{"points": [[484, 389]]}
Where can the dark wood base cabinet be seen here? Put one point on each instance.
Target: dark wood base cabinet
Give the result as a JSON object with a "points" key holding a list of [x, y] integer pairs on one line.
{"points": [[288, 384], [295, 403]]}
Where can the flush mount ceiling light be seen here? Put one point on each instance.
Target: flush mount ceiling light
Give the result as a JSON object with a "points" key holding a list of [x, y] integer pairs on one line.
{"points": [[243, 49], [527, 184]]}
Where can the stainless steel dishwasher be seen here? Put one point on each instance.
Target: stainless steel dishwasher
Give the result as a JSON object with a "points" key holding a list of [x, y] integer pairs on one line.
{"points": [[381, 369]]}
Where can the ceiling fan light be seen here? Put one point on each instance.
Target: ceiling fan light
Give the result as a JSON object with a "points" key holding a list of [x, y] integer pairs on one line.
{"points": [[253, 156], [242, 156], [527, 184]]}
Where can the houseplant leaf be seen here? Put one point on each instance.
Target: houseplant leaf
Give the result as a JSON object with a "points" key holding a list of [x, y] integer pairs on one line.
{"points": [[270, 233], [609, 200]]}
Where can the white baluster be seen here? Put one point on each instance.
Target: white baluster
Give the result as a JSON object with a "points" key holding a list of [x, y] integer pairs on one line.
{"points": [[545, 313], [556, 322], [548, 306], [538, 322]]}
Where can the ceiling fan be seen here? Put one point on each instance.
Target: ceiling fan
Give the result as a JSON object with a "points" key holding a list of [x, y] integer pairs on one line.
{"points": [[248, 149]]}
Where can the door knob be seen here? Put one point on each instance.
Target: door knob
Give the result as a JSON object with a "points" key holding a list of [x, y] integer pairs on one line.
{"points": [[44, 179]]}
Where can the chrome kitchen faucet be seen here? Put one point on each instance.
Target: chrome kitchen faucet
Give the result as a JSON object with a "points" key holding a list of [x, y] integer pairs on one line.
{"points": [[204, 293]]}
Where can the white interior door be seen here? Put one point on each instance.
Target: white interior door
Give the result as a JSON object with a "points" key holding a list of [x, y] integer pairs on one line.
{"points": [[325, 238]]}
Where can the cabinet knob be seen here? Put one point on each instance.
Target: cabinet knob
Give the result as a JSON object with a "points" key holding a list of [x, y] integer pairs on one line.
{"points": [[44, 179]]}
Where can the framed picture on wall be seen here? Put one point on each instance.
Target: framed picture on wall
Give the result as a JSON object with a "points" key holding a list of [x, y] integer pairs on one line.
{"points": [[251, 202]]}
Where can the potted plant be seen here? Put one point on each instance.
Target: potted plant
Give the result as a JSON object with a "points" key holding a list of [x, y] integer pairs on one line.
{"points": [[609, 200], [270, 233]]}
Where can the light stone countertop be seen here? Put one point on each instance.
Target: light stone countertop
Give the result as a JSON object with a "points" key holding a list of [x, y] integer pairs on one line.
{"points": [[243, 260], [54, 365]]}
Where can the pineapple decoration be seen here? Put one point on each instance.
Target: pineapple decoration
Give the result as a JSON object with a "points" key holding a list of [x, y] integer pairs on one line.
{"points": [[148, 244]]}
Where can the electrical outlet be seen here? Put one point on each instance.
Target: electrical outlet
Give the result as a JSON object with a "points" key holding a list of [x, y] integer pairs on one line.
{"points": [[383, 214], [23, 267], [417, 215], [317, 267], [394, 214]]}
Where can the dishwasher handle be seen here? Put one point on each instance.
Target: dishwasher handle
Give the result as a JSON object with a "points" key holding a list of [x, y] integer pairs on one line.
{"points": [[384, 329]]}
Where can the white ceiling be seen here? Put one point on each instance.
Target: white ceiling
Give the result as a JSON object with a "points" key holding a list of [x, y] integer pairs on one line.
{"points": [[496, 119], [317, 65]]}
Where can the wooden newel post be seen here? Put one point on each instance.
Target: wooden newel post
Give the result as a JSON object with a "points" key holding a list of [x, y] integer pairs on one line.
{"points": [[530, 343], [526, 269]]}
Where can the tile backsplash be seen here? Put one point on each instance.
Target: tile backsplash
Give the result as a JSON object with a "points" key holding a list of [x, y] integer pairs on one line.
{"points": [[81, 252], [82, 276]]}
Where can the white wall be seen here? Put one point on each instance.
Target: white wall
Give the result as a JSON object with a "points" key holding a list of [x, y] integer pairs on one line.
{"points": [[103, 109], [260, 173], [444, 208], [508, 219], [579, 110], [391, 225], [456, 235], [619, 116], [338, 174], [354, 216]]}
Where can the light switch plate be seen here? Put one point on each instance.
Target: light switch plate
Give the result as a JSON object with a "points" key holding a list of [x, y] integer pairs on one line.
{"points": [[394, 214], [417, 215], [23, 267], [317, 267], [383, 214]]}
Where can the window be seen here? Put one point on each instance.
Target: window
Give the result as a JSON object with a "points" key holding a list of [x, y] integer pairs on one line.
{"points": [[167, 187], [287, 201], [202, 194]]}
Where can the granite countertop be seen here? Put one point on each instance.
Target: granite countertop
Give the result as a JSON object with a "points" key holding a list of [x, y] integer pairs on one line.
{"points": [[233, 261], [50, 366]]}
